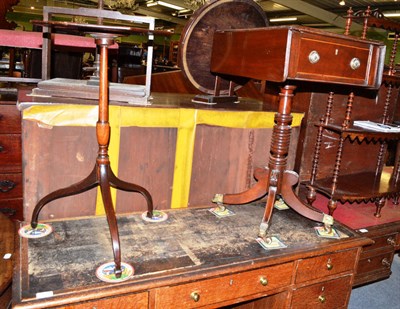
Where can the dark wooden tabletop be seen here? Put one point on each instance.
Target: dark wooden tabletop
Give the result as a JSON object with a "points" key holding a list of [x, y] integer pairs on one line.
{"points": [[190, 242]]}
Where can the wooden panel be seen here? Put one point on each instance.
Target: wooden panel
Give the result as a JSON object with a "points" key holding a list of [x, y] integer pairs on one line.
{"points": [[124, 302], [314, 104], [10, 153], [223, 288], [330, 294], [326, 265], [277, 301], [56, 157], [10, 119], [219, 165], [146, 158]]}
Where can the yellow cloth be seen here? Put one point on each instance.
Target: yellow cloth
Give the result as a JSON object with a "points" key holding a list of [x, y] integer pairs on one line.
{"points": [[184, 119]]}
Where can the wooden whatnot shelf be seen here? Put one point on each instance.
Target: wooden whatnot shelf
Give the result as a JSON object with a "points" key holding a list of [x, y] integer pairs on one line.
{"points": [[375, 186], [359, 187]]}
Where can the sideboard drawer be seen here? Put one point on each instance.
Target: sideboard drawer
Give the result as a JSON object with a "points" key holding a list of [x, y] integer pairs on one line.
{"points": [[388, 241], [326, 265], [381, 262], [124, 302], [317, 54], [10, 119], [212, 291], [10, 186], [328, 294]]}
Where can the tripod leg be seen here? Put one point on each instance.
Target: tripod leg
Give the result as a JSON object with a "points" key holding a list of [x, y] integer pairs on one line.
{"points": [[252, 194], [130, 187], [111, 217], [79, 187], [290, 179], [268, 211]]}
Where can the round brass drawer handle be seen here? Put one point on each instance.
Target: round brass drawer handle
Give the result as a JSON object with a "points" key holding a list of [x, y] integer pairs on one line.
{"points": [[355, 63], [313, 57], [322, 299], [264, 281], [329, 266], [195, 296], [391, 241], [386, 262]]}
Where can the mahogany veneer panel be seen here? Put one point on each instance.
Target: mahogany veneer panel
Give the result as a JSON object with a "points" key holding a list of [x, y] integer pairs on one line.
{"points": [[56, 157], [146, 158]]}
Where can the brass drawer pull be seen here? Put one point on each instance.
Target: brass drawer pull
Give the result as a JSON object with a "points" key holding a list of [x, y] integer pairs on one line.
{"points": [[195, 296], [313, 57], [264, 281], [322, 299], [6, 185], [329, 265], [386, 263], [391, 241], [1, 148], [355, 63]]}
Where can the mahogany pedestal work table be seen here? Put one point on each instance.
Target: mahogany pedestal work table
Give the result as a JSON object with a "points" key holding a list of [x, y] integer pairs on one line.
{"points": [[101, 175], [291, 56]]}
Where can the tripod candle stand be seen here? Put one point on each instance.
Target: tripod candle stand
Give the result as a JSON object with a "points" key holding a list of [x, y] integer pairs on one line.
{"points": [[101, 175]]}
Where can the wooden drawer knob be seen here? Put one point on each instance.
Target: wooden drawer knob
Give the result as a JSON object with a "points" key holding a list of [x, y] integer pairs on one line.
{"points": [[195, 296], [264, 281]]}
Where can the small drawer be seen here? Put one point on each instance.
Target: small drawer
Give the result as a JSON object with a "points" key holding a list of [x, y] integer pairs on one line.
{"points": [[317, 53], [10, 119], [326, 265], [12, 208], [382, 242], [124, 302], [10, 151], [10, 186], [329, 294], [380, 262], [212, 291]]}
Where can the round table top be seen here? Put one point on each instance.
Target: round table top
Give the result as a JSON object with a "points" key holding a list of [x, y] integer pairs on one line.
{"points": [[96, 28], [195, 46]]}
